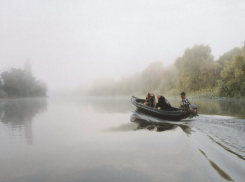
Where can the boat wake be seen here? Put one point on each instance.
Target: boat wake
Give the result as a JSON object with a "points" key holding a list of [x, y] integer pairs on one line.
{"points": [[227, 132]]}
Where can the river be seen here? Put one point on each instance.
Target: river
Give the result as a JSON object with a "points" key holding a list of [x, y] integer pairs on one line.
{"points": [[100, 139]]}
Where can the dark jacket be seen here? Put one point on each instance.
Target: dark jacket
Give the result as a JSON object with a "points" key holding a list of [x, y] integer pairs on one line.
{"points": [[164, 104]]}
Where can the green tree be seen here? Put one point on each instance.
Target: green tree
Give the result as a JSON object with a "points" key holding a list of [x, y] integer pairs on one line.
{"points": [[195, 68], [233, 78], [209, 74], [18, 83], [228, 56]]}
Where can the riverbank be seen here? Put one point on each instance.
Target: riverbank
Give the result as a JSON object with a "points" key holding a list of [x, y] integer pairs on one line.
{"points": [[29, 97], [177, 96], [204, 95]]}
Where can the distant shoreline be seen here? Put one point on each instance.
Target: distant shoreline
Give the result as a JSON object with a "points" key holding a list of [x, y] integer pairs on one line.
{"points": [[24, 97], [189, 96]]}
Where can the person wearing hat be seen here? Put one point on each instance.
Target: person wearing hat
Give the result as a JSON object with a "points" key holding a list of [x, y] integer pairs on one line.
{"points": [[184, 105]]}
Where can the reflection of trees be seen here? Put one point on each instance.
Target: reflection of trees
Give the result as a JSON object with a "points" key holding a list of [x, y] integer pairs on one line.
{"points": [[218, 107], [233, 107], [19, 113], [222, 107], [123, 104]]}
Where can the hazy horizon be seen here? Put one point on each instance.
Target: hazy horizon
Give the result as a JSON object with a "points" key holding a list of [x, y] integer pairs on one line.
{"points": [[74, 42]]}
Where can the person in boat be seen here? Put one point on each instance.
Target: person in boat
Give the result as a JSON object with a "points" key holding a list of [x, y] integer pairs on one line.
{"points": [[150, 100], [184, 105], [163, 103], [147, 100]]}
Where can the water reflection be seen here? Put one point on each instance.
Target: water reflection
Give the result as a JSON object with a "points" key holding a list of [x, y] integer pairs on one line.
{"points": [[105, 104], [123, 105], [71, 143], [110, 174], [151, 126], [158, 126], [18, 114], [218, 107], [111, 105]]}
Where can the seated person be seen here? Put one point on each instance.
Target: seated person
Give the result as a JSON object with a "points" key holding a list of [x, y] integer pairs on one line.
{"points": [[164, 104], [184, 105], [150, 100]]}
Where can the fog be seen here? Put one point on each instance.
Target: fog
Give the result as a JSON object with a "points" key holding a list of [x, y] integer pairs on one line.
{"points": [[74, 42]]}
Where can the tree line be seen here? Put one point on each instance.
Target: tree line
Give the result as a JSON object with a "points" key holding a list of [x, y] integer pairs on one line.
{"points": [[21, 83], [195, 72]]}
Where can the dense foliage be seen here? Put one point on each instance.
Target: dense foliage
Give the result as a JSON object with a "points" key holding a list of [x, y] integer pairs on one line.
{"points": [[228, 56], [197, 69], [20, 83], [195, 72], [153, 78], [233, 78]]}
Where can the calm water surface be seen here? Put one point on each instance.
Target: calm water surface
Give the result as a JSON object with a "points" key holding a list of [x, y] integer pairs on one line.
{"points": [[105, 140]]}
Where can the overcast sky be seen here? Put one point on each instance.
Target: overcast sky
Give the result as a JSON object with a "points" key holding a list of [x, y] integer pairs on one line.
{"points": [[75, 41]]}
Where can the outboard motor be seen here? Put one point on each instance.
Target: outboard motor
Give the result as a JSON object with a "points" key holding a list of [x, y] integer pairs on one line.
{"points": [[193, 110]]}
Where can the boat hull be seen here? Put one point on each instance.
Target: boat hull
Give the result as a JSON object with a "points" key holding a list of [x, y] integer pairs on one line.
{"points": [[166, 115]]}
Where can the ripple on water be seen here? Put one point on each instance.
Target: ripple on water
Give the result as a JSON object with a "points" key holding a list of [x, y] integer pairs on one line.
{"points": [[227, 132], [221, 172]]}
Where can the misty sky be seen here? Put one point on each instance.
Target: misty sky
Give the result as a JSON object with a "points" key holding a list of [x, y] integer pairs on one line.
{"points": [[75, 41]]}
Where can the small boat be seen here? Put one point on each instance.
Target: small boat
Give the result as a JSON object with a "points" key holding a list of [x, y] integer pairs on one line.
{"points": [[174, 115]]}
